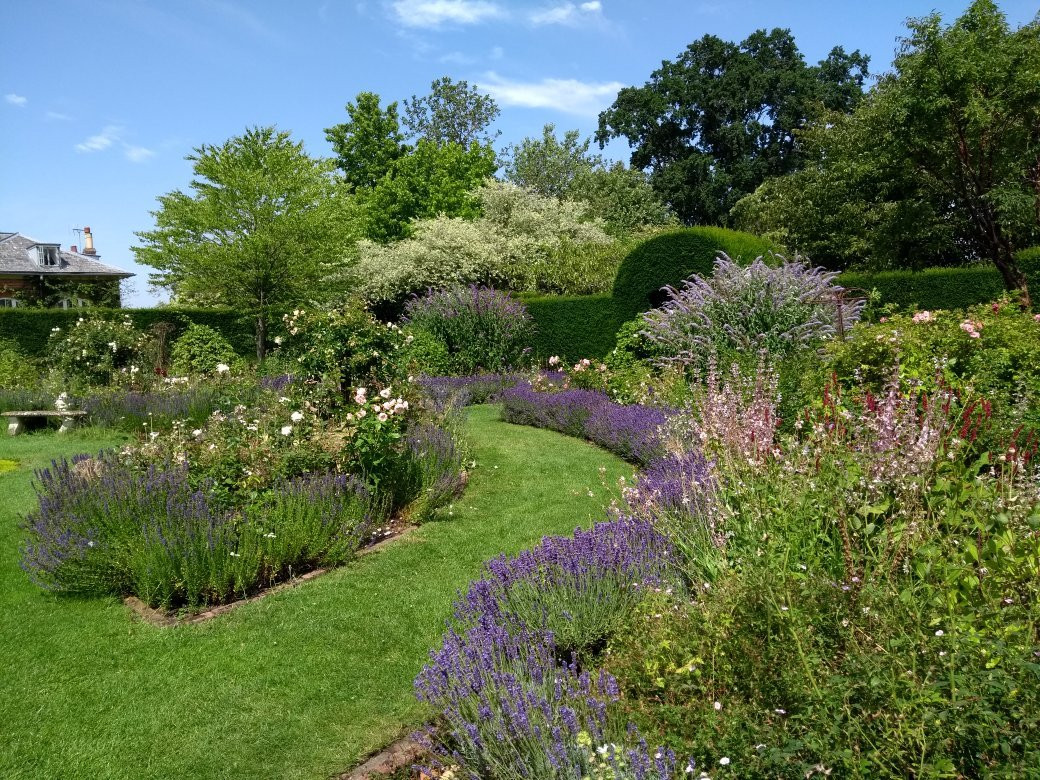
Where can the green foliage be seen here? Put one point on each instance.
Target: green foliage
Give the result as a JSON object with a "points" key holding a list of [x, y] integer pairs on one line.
{"points": [[523, 241], [368, 143], [622, 197], [453, 113], [574, 327], [31, 328], [696, 124], [257, 232], [16, 369], [433, 179], [199, 350], [425, 353], [672, 256], [549, 166], [932, 288], [336, 350], [1002, 362], [96, 351]]}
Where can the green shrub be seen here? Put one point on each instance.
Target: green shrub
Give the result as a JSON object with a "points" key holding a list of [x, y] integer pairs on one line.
{"points": [[424, 353], [481, 328], [1001, 362], [675, 255], [199, 350], [96, 351], [16, 370], [574, 327], [335, 351]]}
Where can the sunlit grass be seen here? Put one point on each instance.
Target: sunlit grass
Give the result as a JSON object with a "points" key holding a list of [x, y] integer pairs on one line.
{"points": [[298, 685]]}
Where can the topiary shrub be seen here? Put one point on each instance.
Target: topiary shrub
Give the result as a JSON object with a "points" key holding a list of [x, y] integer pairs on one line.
{"points": [[199, 350], [670, 257]]}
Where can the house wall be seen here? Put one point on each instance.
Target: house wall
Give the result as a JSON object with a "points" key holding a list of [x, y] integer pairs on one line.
{"points": [[48, 291]]}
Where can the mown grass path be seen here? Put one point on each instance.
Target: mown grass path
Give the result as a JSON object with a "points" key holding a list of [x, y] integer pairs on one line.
{"points": [[302, 684]]}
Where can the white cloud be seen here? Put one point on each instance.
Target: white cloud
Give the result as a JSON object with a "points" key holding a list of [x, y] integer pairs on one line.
{"points": [[16, 100], [137, 154], [98, 143], [57, 116], [456, 58], [567, 95], [568, 14], [434, 13]]}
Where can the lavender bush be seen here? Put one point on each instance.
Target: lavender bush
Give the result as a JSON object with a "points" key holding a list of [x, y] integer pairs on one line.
{"points": [[439, 467], [632, 432], [748, 309], [481, 328], [509, 707], [577, 588], [102, 527]]}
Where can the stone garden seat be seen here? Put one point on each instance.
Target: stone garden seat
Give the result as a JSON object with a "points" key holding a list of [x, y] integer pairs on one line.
{"points": [[16, 420]]}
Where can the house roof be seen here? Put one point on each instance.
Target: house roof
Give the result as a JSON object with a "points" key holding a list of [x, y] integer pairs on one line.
{"points": [[16, 259]]}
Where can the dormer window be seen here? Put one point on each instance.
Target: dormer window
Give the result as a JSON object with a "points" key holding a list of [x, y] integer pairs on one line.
{"points": [[8, 303], [48, 255]]}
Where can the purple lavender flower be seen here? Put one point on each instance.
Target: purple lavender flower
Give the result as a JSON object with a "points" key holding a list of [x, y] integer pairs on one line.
{"points": [[633, 432]]}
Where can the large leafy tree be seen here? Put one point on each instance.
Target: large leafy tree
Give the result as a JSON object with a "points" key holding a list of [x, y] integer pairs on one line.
{"points": [[549, 165], [940, 163], [258, 230], [368, 143], [721, 118], [962, 107], [564, 169], [431, 180], [453, 113]]}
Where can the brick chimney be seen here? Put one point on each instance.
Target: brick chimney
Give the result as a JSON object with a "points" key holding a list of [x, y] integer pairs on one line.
{"points": [[74, 249], [88, 242]]}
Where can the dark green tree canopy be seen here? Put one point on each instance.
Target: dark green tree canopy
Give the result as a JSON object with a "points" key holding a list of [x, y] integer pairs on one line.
{"points": [[261, 226], [367, 144], [721, 118], [453, 113]]}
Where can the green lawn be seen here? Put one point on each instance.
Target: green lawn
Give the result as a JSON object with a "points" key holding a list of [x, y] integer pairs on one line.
{"points": [[298, 685]]}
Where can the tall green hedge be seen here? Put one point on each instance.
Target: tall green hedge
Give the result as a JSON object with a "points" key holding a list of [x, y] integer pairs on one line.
{"points": [[675, 255], [575, 327], [31, 328], [944, 288]]}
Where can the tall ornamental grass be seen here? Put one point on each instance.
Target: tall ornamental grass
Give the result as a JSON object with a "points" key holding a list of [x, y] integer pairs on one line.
{"points": [[777, 308]]}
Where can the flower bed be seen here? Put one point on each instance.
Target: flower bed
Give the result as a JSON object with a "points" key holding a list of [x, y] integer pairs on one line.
{"points": [[632, 432]]}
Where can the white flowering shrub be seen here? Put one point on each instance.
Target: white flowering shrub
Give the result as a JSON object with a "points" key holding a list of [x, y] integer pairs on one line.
{"points": [[201, 350], [96, 351], [521, 242]]}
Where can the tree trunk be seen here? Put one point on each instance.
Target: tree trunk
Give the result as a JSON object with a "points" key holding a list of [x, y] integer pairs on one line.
{"points": [[1014, 278], [261, 336]]}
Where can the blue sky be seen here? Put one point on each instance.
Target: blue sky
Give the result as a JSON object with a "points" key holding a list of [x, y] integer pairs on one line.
{"points": [[102, 99]]}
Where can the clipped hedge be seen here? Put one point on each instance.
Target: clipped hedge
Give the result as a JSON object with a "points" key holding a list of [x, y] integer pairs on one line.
{"points": [[31, 328], [674, 255], [943, 288], [575, 327]]}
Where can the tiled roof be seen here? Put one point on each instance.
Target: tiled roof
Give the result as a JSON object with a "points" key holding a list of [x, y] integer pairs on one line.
{"points": [[15, 258]]}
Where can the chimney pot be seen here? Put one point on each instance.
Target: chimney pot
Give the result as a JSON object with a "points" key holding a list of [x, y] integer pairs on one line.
{"points": [[88, 242], [74, 249]]}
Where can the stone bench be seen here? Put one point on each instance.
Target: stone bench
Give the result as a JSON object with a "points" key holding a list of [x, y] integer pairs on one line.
{"points": [[16, 420]]}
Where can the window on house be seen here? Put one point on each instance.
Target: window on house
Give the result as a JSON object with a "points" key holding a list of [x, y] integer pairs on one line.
{"points": [[47, 256], [73, 303], [8, 303]]}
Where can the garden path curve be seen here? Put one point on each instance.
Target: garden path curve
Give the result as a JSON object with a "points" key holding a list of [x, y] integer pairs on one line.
{"points": [[302, 684]]}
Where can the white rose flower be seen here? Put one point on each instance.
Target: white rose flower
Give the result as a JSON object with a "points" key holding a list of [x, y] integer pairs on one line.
{"points": [[286, 430], [223, 368], [382, 417], [296, 416], [384, 393]]}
